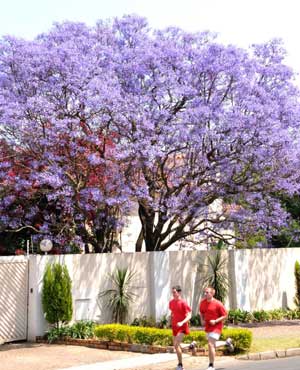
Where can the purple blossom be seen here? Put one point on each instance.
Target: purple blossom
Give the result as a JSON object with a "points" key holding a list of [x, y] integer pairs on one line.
{"points": [[174, 121]]}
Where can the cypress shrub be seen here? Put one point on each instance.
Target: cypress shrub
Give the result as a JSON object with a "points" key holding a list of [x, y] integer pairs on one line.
{"points": [[297, 280], [57, 294]]}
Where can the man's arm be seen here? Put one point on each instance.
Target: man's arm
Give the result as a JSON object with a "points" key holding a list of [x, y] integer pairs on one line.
{"points": [[187, 318], [202, 320], [219, 319], [170, 318]]}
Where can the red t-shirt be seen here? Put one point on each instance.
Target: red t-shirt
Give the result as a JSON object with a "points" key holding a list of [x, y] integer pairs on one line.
{"points": [[211, 311], [179, 309]]}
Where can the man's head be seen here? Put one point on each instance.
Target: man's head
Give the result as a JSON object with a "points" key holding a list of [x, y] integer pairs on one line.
{"points": [[176, 291], [209, 293]]}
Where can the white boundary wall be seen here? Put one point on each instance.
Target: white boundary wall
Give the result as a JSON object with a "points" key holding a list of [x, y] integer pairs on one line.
{"points": [[260, 279]]}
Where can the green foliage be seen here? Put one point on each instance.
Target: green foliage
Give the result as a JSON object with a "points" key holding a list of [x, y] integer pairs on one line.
{"points": [[152, 336], [261, 315], [242, 338], [57, 294], [119, 332], [198, 336], [277, 314], [297, 279], [287, 238], [115, 332], [144, 321], [251, 240], [216, 276], [120, 296], [195, 320], [57, 333], [163, 322], [150, 322], [292, 314], [240, 316], [83, 329], [10, 242]]}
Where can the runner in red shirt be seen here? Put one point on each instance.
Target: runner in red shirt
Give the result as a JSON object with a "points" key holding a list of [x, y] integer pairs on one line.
{"points": [[212, 315], [180, 315]]}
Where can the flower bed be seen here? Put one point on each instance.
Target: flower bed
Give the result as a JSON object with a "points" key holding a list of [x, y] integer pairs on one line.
{"points": [[118, 337]]}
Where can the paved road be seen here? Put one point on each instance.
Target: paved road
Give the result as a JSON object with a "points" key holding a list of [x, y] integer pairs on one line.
{"points": [[289, 363]]}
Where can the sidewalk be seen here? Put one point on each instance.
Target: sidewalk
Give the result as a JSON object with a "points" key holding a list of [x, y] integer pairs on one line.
{"points": [[33, 356], [161, 361], [130, 363]]}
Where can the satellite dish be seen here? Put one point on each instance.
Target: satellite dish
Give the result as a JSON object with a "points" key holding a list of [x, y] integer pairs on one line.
{"points": [[46, 245]]}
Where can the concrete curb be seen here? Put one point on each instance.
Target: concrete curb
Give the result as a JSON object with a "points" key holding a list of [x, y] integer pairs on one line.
{"points": [[270, 354]]}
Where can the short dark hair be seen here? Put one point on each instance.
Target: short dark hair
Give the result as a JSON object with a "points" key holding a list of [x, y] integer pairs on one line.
{"points": [[177, 288]]}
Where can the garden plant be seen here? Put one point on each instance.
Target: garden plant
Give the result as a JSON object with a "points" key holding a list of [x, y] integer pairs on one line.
{"points": [[57, 294]]}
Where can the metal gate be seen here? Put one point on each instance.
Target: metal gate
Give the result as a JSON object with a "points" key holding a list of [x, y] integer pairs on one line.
{"points": [[13, 299]]}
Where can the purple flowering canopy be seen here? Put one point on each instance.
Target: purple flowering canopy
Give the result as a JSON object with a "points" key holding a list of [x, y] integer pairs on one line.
{"points": [[200, 135]]}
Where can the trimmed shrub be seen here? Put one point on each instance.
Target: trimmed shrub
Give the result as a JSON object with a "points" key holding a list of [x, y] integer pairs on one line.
{"points": [[57, 294], [134, 334], [242, 338], [297, 283]]}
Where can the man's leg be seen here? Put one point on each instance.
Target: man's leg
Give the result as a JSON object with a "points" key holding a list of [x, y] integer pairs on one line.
{"points": [[220, 343], [211, 349], [225, 343], [177, 341]]}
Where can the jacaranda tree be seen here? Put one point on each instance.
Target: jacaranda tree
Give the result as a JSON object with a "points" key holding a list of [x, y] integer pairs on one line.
{"points": [[199, 134]]}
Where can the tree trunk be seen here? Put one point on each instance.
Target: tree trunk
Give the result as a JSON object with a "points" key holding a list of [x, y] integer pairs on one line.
{"points": [[139, 242], [147, 216]]}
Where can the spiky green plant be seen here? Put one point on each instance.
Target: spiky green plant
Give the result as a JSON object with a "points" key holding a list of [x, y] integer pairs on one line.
{"points": [[216, 275], [120, 296]]}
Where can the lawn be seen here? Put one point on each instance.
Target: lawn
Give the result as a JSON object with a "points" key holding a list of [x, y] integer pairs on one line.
{"points": [[272, 338]]}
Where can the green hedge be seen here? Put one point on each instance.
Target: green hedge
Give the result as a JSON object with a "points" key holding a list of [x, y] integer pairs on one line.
{"points": [[240, 316], [241, 338]]}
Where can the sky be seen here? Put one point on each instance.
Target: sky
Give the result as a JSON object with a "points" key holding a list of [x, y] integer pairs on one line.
{"points": [[239, 22]]}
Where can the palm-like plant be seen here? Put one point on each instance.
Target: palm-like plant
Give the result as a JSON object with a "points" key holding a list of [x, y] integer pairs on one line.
{"points": [[120, 296], [216, 276]]}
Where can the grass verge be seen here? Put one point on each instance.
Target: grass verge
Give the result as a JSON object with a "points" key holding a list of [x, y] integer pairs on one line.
{"points": [[275, 343]]}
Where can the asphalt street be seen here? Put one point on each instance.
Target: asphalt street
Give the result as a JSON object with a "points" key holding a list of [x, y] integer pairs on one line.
{"points": [[289, 363]]}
